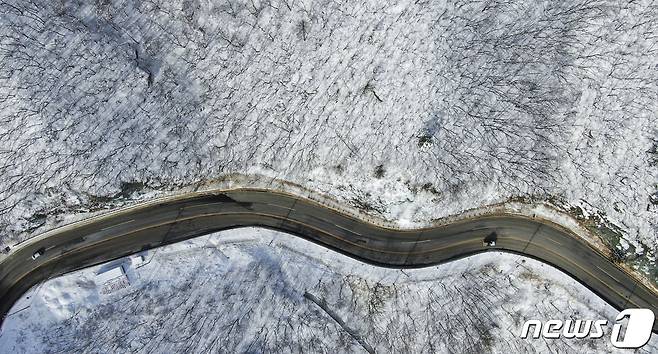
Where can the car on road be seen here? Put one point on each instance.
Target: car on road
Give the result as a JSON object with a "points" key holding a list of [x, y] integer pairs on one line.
{"points": [[490, 240], [38, 253]]}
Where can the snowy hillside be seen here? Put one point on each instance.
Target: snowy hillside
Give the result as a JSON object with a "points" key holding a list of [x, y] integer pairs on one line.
{"points": [[254, 290], [411, 110]]}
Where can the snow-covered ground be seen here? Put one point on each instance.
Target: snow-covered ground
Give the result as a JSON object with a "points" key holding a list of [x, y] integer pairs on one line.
{"points": [[410, 110], [255, 290]]}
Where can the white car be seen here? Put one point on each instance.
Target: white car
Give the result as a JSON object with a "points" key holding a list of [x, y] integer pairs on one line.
{"points": [[38, 253]]}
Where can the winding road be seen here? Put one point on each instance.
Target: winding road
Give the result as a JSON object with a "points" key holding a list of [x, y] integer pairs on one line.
{"points": [[127, 231]]}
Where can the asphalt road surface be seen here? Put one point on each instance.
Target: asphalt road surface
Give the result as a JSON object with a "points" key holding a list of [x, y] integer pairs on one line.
{"points": [[128, 231]]}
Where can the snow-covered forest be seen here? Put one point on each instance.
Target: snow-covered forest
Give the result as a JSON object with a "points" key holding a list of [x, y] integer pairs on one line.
{"points": [[253, 290], [407, 109]]}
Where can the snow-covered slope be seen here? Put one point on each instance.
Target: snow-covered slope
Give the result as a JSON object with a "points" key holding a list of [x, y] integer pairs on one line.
{"points": [[254, 290], [412, 110]]}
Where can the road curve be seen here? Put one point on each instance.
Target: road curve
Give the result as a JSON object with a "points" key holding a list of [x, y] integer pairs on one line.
{"points": [[128, 231]]}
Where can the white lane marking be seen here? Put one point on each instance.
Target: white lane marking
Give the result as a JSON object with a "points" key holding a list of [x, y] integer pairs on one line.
{"points": [[119, 224], [610, 275]]}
